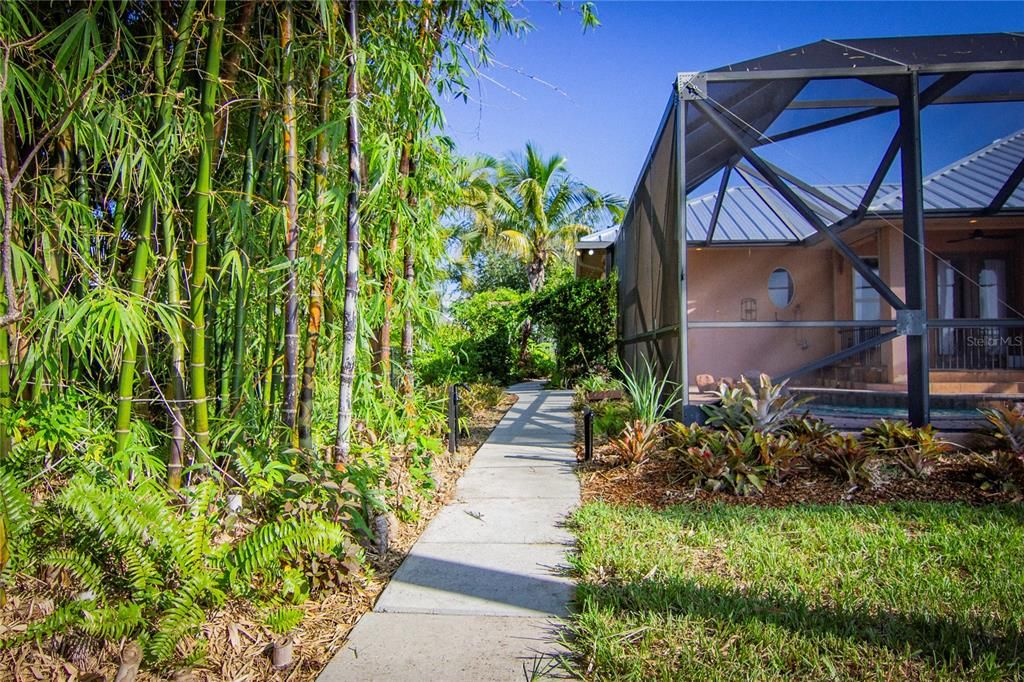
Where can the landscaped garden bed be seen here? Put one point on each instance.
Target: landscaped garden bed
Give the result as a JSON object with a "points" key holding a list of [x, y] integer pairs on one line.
{"points": [[238, 642], [766, 545]]}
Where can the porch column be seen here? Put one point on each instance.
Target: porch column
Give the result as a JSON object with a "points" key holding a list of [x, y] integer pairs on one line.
{"points": [[913, 321]]}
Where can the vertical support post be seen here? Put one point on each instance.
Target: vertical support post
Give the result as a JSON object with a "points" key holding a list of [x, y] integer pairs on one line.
{"points": [[680, 196], [915, 326], [588, 434], [453, 419]]}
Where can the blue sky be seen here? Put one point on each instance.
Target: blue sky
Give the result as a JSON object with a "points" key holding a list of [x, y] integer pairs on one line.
{"points": [[597, 97]]}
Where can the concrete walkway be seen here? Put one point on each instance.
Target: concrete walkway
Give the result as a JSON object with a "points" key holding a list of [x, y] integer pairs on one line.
{"points": [[479, 595]]}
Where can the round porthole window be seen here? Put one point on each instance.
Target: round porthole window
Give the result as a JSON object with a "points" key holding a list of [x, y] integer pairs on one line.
{"points": [[780, 287]]}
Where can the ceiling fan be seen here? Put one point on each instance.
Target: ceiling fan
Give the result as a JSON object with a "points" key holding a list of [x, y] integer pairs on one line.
{"points": [[979, 235]]}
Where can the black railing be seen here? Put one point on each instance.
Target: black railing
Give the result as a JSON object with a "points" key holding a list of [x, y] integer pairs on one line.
{"points": [[976, 348], [851, 336]]}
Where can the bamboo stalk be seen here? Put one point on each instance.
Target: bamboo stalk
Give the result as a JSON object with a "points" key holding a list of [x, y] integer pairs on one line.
{"points": [[342, 445], [248, 188], [316, 291], [291, 213], [126, 381], [200, 230]]}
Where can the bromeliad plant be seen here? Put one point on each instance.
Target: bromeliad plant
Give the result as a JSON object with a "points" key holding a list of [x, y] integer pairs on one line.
{"points": [[1006, 426], [730, 461], [846, 458], [766, 408], [636, 443], [915, 450]]}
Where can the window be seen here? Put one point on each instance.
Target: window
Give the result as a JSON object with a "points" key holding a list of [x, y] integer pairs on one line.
{"points": [[780, 287], [867, 302]]}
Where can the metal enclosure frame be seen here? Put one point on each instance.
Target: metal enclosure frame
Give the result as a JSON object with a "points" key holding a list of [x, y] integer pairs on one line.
{"points": [[722, 138]]}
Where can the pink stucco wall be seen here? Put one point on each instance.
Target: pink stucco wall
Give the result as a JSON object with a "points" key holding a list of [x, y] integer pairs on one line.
{"points": [[719, 280]]}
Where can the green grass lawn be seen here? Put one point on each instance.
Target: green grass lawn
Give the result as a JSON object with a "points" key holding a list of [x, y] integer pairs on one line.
{"points": [[904, 591]]}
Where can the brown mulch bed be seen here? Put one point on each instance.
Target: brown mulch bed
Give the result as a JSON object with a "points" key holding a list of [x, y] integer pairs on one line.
{"points": [[658, 483], [238, 643]]}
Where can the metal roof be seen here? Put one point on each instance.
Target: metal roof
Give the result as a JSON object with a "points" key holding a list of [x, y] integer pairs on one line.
{"points": [[970, 183], [756, 213]]}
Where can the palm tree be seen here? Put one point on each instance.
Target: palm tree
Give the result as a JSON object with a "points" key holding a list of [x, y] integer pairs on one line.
{"points": [[536, 210], [529, 206]]}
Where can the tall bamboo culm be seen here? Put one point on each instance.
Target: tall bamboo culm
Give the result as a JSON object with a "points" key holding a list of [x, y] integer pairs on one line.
{"points": [[200, 231], [342, 444]]}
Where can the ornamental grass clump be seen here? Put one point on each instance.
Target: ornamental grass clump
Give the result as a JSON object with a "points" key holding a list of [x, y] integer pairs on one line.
{"points": [[651, 397], [915, 450]]}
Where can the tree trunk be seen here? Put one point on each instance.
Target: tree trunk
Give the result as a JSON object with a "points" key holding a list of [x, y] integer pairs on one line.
{"points": [[535, 276], [291, 228], [342, 443], [410, 284], [316, 290], [200, 230]]}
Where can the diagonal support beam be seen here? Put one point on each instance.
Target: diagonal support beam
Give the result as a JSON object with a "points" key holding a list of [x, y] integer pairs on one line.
{"points": [[719, 199], [797, 203], [855, 349], [815, 192], [879, 177], [1008, 188], [768, 201]]}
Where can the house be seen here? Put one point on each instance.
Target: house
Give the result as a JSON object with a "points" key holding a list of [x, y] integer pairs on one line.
{"points": [[913, 287]]}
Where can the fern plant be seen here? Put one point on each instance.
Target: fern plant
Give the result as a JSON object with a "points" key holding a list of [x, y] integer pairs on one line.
{"points": [[148, 566]]}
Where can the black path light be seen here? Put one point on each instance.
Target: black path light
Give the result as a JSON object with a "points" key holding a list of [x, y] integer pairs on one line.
{"points": [[588, 434], [453, 417]]}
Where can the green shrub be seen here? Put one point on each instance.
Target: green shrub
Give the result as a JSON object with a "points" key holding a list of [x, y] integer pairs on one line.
{"points": [[481, 344], [610, 417], [594, 383], [915, 450], [540, 360], [580, 315], [478, 397]]}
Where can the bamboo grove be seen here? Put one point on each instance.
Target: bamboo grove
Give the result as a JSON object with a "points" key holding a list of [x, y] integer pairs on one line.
{"points": [[215, 212]]}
